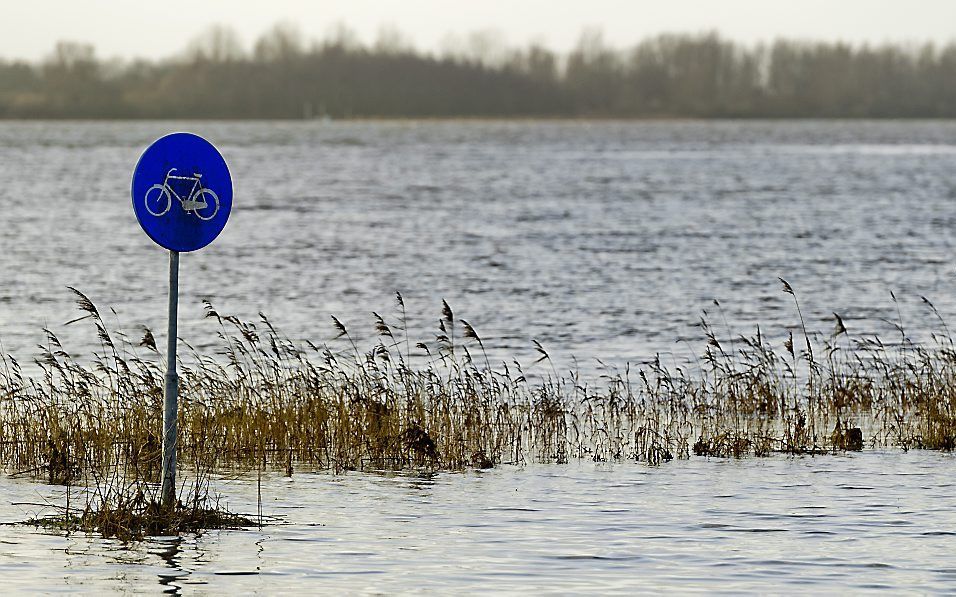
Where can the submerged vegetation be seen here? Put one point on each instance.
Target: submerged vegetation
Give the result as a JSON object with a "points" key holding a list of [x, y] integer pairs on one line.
{"points": [[115, 505], [265, 401]]}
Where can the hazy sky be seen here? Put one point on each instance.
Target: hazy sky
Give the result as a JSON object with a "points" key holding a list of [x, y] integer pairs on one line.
{"points": [[29, 28]]}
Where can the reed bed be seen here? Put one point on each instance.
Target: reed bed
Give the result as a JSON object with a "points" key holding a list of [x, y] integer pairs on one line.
{"points": [[264, 401]]}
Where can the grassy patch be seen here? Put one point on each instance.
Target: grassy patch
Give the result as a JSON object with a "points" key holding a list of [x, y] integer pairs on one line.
{"points": [[264, 401]]}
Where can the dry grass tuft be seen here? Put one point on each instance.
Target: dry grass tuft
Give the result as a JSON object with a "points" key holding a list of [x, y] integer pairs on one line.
{"points": [[265, 401]]}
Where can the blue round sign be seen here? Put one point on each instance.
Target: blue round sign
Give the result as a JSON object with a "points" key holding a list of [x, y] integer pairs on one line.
{"points": [[182, 192]]}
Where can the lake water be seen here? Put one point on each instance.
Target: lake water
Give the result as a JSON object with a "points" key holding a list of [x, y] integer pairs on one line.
{"points": [[835, 524], [602, 240]]}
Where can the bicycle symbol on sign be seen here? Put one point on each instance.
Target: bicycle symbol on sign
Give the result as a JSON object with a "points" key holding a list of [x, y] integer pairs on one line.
{"points": [[200, 201]]}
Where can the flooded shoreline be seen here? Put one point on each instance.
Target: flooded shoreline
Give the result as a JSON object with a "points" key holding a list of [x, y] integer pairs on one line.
{"points": [[629, 400], [864, 521]]}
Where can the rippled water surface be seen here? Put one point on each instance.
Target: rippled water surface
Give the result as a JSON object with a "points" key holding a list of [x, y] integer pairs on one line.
{"points": [[603, 241], [826, 524], [600, 239]]}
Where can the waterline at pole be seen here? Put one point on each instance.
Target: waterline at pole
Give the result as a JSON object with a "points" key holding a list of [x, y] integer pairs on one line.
{"points": [[171, 397]]}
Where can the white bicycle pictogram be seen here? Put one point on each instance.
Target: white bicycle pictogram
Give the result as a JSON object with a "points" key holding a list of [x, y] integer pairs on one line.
{"points": [[197, 199]]}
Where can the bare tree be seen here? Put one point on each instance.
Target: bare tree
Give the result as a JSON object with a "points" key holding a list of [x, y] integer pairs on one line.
{"points": [[216, 44], [281, 43]]}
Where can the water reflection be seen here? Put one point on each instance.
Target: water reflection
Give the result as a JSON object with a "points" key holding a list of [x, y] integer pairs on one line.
{"points": [[423, 482], [169, 550], [754, 525]]}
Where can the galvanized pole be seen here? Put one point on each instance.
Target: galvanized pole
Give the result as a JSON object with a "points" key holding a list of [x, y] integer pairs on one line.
{"points": [[170, 403]]}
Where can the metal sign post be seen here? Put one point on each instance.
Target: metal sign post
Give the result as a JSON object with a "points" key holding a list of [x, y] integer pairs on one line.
{"points": [[171, 393], [182, 197]]}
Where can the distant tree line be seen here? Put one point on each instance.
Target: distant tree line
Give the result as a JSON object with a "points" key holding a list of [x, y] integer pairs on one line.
{"points": [[672, 75]]}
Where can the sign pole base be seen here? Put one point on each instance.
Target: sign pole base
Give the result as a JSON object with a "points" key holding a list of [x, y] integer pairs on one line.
{"points": [[171, 393]]}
